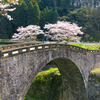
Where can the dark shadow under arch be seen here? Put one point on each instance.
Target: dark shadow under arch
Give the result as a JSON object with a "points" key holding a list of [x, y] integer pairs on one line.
{"points": [[73, 84], [72, 81]]}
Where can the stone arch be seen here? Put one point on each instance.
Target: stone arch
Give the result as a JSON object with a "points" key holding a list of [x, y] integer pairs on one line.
{"points": [[20, 70], [73, 83]]}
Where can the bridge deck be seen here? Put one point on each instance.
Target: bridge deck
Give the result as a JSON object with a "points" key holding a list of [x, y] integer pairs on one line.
{"points": [[11, 50]]}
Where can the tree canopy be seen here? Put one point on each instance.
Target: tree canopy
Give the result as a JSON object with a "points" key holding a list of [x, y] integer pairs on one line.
{"points": [[27, 33], [62, 30]]}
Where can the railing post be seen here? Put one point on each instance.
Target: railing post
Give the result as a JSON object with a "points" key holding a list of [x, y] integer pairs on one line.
{"points": [[50, 47], [5, 48], [28, 49], [10, 53], [43, 47], [56, 45], [20, 51], [36, 48], [0, 53]]}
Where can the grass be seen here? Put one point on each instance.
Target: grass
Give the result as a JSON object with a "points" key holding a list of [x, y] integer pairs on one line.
{"points": [[87, 46]]}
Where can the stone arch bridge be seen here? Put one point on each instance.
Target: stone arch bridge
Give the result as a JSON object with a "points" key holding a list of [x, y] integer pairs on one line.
{"points": [[20, 63]]}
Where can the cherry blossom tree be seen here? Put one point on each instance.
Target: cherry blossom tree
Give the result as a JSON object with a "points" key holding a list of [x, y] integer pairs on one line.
{"points": [[4, 7], [62, 30], [27, 33]]}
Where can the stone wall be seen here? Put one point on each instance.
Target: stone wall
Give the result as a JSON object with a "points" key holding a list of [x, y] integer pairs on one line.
{"points": [[18, 71], [94, 85]]}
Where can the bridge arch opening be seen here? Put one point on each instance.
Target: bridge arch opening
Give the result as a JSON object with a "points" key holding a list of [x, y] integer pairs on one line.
{"points": [[73, 87]]}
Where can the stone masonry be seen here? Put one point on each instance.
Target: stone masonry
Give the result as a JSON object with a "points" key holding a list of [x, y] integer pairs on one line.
{"points": [[19, 67]]}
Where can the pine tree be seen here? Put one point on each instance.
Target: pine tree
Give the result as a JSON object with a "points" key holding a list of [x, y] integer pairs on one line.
{"points": [[36, 14], [6, 29], [30, 14], [50, 16], [20, 16], [42, 20], [23, 14], [54, 16], [16, 18]]}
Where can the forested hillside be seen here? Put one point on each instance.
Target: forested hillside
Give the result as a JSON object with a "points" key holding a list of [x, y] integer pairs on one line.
{"points": [[41, 12]]}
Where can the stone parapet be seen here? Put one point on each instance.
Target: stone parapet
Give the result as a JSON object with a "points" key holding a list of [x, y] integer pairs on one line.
{"points": [[15, 49]]}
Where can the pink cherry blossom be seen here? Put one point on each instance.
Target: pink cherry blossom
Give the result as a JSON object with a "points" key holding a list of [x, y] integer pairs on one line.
{"points": [[27, 33], [62, 30], [4, 8]]}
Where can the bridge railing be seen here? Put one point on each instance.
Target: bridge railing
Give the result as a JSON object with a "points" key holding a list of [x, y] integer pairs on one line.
{"points": [[16, 49], [14, 46]]}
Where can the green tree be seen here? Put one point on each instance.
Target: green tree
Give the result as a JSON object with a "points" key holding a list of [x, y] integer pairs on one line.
{"points": [[6, 28], [80, 16], [30, 14], [20, 16], [23, 14], [42, 20], [54, 16], [36, 14], [50, 15]]}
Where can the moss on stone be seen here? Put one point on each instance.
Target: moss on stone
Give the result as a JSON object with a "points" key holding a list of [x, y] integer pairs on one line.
{"points": [[97, 70], [45, 86]]}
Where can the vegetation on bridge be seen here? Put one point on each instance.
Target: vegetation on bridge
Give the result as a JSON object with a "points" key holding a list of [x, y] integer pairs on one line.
{"points": [[88, 46]]}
